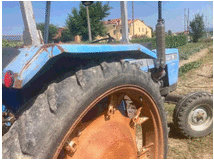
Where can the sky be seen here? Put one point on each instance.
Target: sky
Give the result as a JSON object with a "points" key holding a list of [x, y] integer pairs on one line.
{"points": [[173, 13]]}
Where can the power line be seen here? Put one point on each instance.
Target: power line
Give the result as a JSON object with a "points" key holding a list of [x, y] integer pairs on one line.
{"points": [[133, 15], [150, 5], [157, 8], [184, 19], [188, 21]]}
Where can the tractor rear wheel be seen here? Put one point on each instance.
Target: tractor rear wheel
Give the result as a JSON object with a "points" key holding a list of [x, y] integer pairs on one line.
{"points": [[87, 117]]}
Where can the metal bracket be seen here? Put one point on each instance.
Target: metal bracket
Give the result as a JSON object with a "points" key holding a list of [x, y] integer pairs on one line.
{"points": [[137, 119], [111, 107], [145, 149], [114, 101]]}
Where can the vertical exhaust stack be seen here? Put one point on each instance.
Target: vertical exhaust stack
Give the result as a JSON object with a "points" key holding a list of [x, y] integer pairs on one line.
{"points": [[160, 40]]}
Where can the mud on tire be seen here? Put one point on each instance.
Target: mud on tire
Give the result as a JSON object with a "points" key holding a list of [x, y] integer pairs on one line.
{"points": [[42, 126]]}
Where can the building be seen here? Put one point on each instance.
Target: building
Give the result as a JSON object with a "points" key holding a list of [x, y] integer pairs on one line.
{"points": [[115, 29]]}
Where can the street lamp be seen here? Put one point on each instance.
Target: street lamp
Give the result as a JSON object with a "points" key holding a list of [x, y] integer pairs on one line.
{"points": [[86, 4]]}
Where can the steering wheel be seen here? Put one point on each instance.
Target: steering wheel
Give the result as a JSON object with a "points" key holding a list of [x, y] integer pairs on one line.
{"points": [[110, 39]]}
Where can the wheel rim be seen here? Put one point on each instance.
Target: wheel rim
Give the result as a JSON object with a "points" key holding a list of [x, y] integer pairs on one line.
{"points": [[113, 135], [200, 117]]}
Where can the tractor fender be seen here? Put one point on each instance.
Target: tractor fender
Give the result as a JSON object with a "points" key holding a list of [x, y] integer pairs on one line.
{"points": [[32, 59]]}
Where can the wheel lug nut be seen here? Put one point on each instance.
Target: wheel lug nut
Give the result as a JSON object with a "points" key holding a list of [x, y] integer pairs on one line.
{"points": [[71, 147]]}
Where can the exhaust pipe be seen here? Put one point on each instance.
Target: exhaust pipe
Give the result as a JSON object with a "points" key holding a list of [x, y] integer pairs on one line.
{"points": [[160, 40]]}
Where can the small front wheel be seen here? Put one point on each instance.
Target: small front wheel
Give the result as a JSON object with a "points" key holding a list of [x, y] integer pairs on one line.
{"points": [[193, 115]]}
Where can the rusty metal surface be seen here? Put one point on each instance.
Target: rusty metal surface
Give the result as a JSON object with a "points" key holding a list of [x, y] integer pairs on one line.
{"points": [[115, 137], [107, 139], [45, 48]]}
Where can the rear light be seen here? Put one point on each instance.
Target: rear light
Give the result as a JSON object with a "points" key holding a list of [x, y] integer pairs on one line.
{"points": [[8, 79]]}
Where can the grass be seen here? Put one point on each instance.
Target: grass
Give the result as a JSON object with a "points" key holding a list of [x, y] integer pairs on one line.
{"points": [[170, 109], [190, 48], [189, 66], [178, 154], [196, 64], [203, 144]]}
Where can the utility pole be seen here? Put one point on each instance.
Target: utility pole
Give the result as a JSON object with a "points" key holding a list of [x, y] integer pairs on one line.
{"points": [[188, 21], [133, 15], [206, 28], [124, 18], [184, 19], [30, 34], [47, 20]]}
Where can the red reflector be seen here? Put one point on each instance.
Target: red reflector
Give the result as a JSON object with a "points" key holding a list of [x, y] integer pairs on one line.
{"points": [[8, 79]]}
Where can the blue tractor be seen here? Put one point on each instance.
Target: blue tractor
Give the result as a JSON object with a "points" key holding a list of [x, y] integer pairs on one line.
{"points": [[96, 101]]}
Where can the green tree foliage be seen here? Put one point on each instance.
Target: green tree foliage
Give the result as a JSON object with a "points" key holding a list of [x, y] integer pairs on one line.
{"points": [[66, 36], [52, 30], [154, 33], [197, 27], [77, 20], [169, 32]]}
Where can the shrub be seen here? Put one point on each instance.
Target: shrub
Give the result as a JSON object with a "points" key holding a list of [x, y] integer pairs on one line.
{"points": [[170, 41], [6, 43], [208, 40]]}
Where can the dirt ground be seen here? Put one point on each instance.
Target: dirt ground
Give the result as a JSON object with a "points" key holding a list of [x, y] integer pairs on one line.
{"points": [[195, 80], [195, 56]]}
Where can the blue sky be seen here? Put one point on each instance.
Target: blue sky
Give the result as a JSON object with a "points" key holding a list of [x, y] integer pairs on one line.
{"points": [[173, 13]]}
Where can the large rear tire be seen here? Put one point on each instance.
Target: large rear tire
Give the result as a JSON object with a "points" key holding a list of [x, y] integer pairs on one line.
{"points": [[63, 121]]}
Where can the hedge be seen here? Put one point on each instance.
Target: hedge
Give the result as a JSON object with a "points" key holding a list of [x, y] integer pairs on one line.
{"points": [[6, 43], [170, 41]]}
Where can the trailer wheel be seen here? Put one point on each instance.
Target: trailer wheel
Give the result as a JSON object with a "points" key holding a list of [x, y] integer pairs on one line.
{"points": [[86, 117], [193, 115]]}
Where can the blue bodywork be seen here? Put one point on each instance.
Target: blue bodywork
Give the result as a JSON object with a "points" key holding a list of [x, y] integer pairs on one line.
{"points": [[172, 65], [31, 60]]}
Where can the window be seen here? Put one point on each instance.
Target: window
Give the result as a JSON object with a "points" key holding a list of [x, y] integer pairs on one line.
{"points": [[139, 29], [114, 32], [129, 30], [121, 31], [142, 29]]}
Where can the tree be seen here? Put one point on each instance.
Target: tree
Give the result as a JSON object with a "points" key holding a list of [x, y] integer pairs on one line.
{"points": [[154, 33], [77, 21], [169, 32], [52, 30], [66, 36], [197, 27]]}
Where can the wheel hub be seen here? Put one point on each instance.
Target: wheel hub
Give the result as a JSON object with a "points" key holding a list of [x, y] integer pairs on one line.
{"points": [[112, 134], [199, 116], [107, 139]]}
